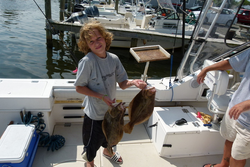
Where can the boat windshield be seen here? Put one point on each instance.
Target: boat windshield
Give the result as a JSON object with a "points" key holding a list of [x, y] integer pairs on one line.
{"points": [[226, 32]]}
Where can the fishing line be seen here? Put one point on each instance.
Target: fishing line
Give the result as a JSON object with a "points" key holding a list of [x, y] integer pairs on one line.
{"points": [[53, 31]]}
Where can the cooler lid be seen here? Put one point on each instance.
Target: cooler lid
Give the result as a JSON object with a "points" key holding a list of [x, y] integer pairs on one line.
{"points": [[169, 115], [15, 142]]}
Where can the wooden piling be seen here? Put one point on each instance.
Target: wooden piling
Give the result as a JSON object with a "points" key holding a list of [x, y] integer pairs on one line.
{"points": [[48, 16], [134, 42], [70, 6], [116, 6], [62, 7]]}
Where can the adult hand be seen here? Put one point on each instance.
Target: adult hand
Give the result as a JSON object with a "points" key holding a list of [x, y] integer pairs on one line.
{"points": [[236, 110], [222, 65], [139, 83], [201, 76]]}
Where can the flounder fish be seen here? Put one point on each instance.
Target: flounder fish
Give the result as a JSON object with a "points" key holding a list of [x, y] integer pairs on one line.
{"points": [[112, 125], [140, 108]]}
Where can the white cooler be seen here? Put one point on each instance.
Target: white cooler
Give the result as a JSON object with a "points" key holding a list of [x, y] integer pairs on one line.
{"points": [[186, 140], [18, 146]]}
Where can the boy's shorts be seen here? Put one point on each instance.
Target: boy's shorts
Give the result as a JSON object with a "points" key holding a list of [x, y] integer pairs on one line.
{"points": [[93, 137], [233, 131]]}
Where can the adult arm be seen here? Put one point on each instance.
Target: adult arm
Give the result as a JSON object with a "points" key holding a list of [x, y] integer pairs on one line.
{"points": [[222, 65]]}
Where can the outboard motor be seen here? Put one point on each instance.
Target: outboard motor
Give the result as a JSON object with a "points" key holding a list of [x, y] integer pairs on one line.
{"points": [[77, 16], [78, 8], [92, 11]]}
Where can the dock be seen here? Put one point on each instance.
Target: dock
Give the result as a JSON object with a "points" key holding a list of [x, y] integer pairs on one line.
{"points": [[127, 37], [122, 32], [134, 38], [242, 27]]}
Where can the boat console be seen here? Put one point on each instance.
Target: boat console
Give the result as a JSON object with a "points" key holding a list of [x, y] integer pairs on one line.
{"points": [[188, 139], [218, 94], [192, 137]]}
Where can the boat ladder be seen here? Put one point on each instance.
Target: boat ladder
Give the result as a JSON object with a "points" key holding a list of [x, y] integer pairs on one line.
{"points": [[201, 41]]}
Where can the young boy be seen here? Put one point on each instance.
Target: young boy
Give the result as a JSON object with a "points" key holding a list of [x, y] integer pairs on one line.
{"points": [[98, 72]]}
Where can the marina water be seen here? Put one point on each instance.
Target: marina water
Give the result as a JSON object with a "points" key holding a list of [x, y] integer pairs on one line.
{"points": [[24, 53]]}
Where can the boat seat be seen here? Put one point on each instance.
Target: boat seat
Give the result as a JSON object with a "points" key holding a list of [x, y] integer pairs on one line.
{"points": [[218, 95], [128, 15], [220, 103], [145, 21]]}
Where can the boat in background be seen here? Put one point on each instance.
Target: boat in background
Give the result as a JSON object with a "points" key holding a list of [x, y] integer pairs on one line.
{"points": [[140, 6], [55, 109], [170, 25]]}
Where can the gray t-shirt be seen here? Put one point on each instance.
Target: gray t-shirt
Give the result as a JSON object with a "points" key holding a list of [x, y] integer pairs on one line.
{"points": [[100, 75], [241, 63]]}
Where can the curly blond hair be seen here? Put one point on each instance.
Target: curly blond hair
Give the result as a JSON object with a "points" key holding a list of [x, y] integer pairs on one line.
{"points": [[86, 36]]}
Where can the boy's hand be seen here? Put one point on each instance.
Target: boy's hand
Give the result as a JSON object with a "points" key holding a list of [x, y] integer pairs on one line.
{"points": [[139, 83]]}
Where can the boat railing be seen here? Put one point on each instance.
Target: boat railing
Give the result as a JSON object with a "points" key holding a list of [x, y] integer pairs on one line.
{"points": [[196, 38], [235, 51]]}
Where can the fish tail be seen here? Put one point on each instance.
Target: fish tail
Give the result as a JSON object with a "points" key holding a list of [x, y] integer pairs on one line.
{"points": [[127, 128]]}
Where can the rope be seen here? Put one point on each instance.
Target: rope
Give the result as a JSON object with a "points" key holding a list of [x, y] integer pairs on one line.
{"points": [[53, 142], [171, 61]]}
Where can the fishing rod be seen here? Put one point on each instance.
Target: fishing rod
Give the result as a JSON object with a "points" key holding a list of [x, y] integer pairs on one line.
{"points": [[53, 31]]}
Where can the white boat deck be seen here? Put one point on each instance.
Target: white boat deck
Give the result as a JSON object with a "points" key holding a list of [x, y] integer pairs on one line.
{"points": [[195, 145], [136, 149]]}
